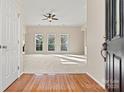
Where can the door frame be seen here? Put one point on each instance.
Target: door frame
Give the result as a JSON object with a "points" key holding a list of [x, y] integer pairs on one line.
{"points": [[0, 51], [19, 44]]}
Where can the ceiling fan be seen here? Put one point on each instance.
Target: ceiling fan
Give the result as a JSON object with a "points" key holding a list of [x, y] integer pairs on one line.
{"points": [[50, 17]]}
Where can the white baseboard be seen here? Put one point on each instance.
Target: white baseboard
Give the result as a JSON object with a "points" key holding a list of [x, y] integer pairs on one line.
{"points": [[20, 74], [102, 85], [29, 73]]}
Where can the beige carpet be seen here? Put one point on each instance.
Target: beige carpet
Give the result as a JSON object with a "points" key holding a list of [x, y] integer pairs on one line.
{"points": [[54, 64]]}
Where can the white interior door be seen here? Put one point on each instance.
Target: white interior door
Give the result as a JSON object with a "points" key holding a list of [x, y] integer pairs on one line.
{"points": [[9, 42]]}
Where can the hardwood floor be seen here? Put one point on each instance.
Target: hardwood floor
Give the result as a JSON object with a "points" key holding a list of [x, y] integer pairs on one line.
{"points": [[55, 83]]}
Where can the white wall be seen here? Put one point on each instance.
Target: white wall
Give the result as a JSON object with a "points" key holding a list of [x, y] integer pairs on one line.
{"points": [[76, 39], [95, 38]]}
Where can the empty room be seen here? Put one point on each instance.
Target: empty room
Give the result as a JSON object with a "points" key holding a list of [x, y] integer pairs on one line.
{"points": [[61, 46], [55, 40]]}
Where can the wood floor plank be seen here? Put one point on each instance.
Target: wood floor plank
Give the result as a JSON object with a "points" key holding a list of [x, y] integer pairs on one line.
{"points": [[55, 83]]}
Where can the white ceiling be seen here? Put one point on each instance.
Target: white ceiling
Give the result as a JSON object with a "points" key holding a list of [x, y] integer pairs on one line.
{"points": [[69, 12]]}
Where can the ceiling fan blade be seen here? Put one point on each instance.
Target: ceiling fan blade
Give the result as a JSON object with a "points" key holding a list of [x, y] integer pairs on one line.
{"points": [[53, 15], [45, 16], [55, 18], [44, 19]]}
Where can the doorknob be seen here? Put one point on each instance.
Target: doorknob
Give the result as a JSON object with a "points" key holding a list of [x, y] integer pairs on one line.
{"points": [[4, 47], [104, 51]]}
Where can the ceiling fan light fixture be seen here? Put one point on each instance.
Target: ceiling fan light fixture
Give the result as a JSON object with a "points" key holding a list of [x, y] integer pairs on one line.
{"points": [[50, 17]]}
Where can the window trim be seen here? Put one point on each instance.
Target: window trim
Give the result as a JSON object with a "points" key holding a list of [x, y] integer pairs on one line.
{"points": [[48, 41], [68, 45], [35, 42]]}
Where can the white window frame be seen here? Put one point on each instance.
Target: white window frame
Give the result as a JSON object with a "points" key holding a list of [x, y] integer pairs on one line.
{"points": [[35, 43], [48, 41], [68, 41]]}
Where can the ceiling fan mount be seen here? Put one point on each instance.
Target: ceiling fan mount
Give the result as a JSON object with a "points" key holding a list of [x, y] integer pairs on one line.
{"points": [[50, 17]]}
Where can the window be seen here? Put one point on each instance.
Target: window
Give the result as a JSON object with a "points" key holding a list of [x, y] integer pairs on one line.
{"points": [[64, 42], [51, 42], [39, 42], [117, 33]]}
